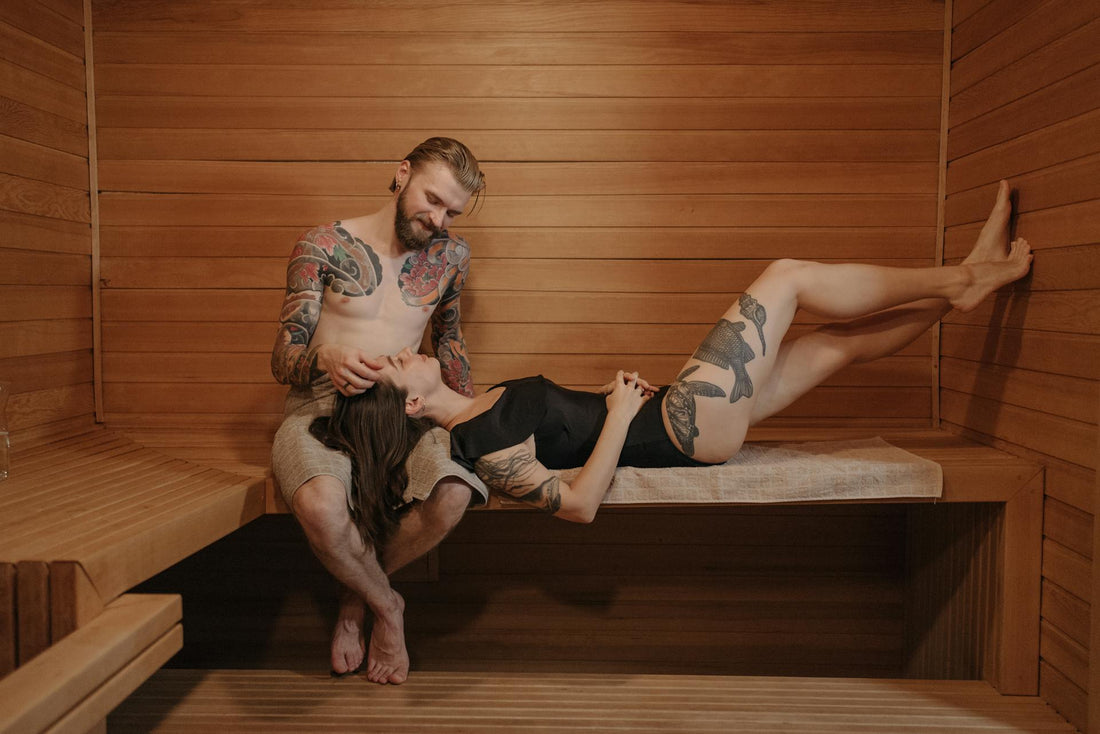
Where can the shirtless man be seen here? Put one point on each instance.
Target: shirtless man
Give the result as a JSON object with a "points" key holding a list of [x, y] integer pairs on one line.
{"points": [[355, 289]]}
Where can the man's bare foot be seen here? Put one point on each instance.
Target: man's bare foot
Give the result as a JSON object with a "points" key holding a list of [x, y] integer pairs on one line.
{"points": [[992, 243], [348, 645], [387, 658], [986, 277]]}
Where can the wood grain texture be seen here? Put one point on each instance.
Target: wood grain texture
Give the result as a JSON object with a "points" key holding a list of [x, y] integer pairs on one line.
{"points": [[1024, 106]]}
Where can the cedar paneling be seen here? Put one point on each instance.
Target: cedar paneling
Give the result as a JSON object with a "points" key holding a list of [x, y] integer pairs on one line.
{"points": [[1021, 372], [45, 238], [644, 159]]}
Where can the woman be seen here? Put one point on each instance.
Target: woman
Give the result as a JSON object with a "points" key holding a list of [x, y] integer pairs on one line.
{"points": [[516, 434]]}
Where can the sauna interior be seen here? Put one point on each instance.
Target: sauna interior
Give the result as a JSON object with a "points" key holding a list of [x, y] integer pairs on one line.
{"points": [[645, 159]]}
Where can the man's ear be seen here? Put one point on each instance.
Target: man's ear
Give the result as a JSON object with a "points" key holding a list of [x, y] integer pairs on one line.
{"points": [[401, 177], [414, 406]]}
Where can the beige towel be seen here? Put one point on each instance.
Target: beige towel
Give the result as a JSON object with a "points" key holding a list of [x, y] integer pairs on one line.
{"points": [[822, 470]]}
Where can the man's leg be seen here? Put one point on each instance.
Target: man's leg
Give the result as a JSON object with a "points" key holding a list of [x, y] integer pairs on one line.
{"points": [[422, 528], [321, 507]]}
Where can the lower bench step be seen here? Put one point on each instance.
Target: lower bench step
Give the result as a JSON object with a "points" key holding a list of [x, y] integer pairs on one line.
{"points": [[230, 701]]}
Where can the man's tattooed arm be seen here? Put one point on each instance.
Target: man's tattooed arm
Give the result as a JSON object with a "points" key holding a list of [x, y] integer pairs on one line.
{"points": [[292, 361], [324, 256], [447, 339], [517, 473]]}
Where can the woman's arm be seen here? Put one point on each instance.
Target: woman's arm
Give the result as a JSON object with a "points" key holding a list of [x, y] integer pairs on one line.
{"points": [[516, 472]]}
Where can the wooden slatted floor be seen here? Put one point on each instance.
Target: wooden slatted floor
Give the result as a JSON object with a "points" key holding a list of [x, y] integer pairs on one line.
{"points": [[229, 701]]}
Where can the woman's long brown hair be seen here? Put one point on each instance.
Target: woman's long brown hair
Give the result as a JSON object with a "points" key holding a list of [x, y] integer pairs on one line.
{"points": [[374, 431]]}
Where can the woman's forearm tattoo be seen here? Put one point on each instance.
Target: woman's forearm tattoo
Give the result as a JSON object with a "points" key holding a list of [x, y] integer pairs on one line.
{"points": [[754, 312], [726, 348], [680, 405], [511, 475]]}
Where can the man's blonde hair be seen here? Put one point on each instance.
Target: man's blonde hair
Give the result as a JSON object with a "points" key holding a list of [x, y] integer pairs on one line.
{"points": [[453, 154]]}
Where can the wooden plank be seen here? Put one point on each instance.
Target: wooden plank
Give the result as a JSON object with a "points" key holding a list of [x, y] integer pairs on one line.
{"points": [[1065, 269], [763, 210], [93, 195], [489, 113], [486, 47], [1063, 354], [24, 122], [32, 608], [29, 232], [611, 17], [55, 403], [1067, 612], [1068, 526], [987, 22], [522, 81], [43, 23], [43, 199], [536, 275], [1063, 100], [520, 145], [1067, 312], [44, 689], [54, 335], [527, 178], [41, 92], [1059, 437], [25, 267], [1062, 141], [1072, 485], [1063, 653], [1093, 710], [1069, 570], [1016, 669], [844, 243], [1049, 64], [34, 302], [1064, 697], [115, 690], [74, 601], [1032, 32], [21, 48], [513, 702], [1058, 185], [9, 642], [1068, 397]]}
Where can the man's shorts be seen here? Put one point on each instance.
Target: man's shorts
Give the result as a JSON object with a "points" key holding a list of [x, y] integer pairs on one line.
{"points": [[297, 457]]}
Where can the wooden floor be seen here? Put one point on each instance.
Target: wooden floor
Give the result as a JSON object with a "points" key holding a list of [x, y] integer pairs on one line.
{"points": [[279, 701]]}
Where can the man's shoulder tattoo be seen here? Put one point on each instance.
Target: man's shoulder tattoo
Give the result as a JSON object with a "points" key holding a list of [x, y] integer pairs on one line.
{"points": [[427, 274]]}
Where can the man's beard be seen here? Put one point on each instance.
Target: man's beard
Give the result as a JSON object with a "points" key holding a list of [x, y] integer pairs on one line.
{"points": [[406, 234]]}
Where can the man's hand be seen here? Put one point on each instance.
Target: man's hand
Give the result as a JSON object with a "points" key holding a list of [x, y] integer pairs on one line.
{"points": [[351, 370]]}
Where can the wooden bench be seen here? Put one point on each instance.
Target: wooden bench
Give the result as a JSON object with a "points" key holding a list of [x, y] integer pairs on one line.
{"points": [[973, 473], [278, 701], [74, 684], [87, 517]]}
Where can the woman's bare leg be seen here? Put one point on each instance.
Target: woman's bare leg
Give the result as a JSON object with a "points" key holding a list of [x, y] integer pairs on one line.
{"points": [[737, 356]]}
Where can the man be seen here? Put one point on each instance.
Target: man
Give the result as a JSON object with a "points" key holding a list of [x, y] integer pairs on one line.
{"points": [[355, 289]]}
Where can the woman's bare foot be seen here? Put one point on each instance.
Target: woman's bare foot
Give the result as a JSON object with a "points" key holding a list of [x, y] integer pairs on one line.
{"points": [[387, 659], [992, 243], [348, 644], [986, 277]]}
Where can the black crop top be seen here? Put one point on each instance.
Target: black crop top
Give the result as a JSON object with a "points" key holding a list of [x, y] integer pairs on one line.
{"points": [[566, 424]]}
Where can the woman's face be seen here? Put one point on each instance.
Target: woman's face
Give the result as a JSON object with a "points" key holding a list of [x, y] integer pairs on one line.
{"points": [[417, 374]]}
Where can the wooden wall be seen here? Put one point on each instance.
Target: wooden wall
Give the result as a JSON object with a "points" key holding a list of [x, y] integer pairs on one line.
{"points": [[1023, 372], [644, 161], [45, 237]]}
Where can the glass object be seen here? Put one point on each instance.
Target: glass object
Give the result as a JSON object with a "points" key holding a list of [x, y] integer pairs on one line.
{"points": [[5, 444]]}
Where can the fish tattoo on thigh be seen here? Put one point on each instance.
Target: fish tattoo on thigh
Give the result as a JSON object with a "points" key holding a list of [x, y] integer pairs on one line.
{"points": [[726, 348], [680, 404]]}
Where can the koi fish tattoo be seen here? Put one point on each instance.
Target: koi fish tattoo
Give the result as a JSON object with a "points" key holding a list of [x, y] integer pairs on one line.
{"points": [[680, 405], [427, 274], [754, 312], [726, 348]]}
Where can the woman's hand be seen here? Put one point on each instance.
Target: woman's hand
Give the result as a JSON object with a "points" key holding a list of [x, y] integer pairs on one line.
{"points": [[648, 389], [626, 395]]}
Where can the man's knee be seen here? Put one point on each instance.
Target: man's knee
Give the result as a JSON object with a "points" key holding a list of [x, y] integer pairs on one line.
{"points": [[447, 503], [321, 507]]}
